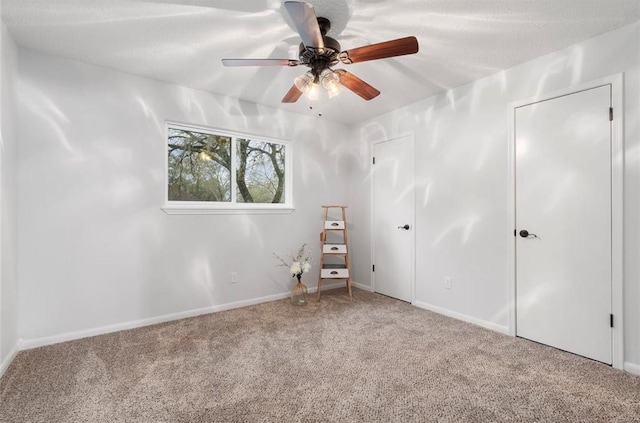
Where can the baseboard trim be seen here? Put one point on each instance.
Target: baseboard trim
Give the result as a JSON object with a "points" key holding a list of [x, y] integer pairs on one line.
{"points": [[27, 344], [632, 368], [463, 317], [362, 287], [9, 359]]}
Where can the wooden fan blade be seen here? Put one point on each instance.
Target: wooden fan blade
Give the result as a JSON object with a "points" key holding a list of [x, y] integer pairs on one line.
{"points": [[260, 62], [393, 48], [357, 85], [293, 95], [306, 22]]}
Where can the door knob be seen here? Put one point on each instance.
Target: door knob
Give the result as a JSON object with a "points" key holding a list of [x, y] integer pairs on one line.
{"points": [[525, 234], [405, 227]]}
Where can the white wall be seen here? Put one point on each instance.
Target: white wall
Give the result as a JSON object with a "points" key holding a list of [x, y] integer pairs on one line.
{"points": [[461, 178], [95, 248], [8, 197]]}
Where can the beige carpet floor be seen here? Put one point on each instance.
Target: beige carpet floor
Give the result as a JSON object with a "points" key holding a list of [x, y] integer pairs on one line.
{"points": [[373, 360]]}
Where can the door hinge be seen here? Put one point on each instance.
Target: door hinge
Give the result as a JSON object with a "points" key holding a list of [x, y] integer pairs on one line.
{"points": [[374, 160], [610, 114], [611, 320], [514, 232], [373, 267]]}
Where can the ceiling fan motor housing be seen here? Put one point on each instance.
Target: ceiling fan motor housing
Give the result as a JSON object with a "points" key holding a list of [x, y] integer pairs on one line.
{"points": [[319, 59]]}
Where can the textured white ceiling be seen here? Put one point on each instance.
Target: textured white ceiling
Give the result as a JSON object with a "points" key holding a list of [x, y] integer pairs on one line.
{"points": [[183, 41]]}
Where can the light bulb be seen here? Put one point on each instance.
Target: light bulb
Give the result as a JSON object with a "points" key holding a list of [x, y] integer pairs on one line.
{"points": [[304, 82], [313, 92], [334, 91], [330, 81]]}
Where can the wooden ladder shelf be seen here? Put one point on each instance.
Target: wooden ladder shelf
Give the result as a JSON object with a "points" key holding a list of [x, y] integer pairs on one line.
{"points": [[336, 248]]}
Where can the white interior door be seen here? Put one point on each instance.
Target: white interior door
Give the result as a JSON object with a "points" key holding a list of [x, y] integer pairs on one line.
{"points": [[393, 210], [563, 200]]}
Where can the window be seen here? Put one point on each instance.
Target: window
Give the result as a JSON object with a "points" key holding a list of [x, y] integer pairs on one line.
{"points": [[213, 171]]}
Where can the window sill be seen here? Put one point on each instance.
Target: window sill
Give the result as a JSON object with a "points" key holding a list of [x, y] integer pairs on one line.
{"points": [[193, 209]]}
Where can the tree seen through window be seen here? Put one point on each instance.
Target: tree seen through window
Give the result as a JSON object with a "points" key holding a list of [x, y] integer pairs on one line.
{"points": [[199, 168]]}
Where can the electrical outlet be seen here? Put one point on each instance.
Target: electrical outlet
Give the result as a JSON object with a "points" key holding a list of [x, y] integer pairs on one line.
{"points": [[447, 282], [234, 277]]}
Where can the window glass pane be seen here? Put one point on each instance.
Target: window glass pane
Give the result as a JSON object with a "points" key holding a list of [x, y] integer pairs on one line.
{"points": [[199, 166], [260, 174]]}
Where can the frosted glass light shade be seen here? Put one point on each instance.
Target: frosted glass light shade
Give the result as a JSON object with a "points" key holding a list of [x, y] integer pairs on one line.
{"points": [[304, 82], [330, 80]]}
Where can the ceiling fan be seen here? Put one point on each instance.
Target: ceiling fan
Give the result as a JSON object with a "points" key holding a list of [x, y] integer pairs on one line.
{"points": [[320, 53]]}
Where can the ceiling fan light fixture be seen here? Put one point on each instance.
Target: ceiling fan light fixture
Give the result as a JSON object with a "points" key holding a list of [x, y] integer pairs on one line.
{"points": [[329, 80], [304, 81]]}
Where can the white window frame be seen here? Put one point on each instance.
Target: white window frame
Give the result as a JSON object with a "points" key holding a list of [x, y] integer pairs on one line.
{"points": [[232, 207]]}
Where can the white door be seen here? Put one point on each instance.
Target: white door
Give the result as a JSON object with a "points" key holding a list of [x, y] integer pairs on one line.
{"points": [[393, 205], [563, 200]]}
